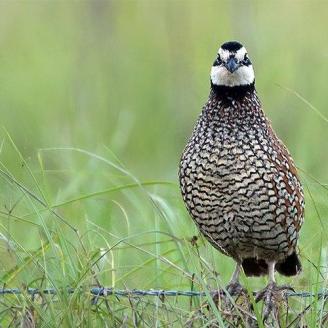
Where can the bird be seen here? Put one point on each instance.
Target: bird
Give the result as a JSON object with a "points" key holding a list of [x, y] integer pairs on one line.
{"points": [[238, 180]]}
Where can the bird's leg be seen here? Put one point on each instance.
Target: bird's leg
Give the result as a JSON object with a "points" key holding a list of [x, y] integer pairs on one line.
{"points": [[234, 287], [238, 308], [272, 295], [267, 294]]}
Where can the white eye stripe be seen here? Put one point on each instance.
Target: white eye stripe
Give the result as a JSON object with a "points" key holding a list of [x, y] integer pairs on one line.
{"points": [[224, 54], [239, 54]]}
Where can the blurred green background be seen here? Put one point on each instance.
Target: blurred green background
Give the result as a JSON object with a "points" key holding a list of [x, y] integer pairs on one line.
{"points": [[133, 75], [126, 80]]}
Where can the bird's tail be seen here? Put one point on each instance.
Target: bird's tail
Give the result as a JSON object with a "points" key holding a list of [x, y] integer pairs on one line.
{"points": [[290, 266], [254, 267]]}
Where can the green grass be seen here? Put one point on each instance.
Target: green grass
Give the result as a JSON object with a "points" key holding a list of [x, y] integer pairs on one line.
{"points": [[130, 235], [97, 99]]}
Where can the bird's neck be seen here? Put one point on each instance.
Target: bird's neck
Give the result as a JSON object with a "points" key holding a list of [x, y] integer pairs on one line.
{"points": [[224, 93], [233, 103]]}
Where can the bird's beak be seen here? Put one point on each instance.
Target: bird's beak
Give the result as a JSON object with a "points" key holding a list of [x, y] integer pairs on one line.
{"points": [[231, 65]]}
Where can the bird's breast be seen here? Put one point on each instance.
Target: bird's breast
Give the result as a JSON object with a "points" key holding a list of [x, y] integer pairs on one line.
{"points": [[236, 192]]}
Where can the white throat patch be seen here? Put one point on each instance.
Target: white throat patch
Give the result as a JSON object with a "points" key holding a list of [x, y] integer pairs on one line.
{"points": [[242, 76]]}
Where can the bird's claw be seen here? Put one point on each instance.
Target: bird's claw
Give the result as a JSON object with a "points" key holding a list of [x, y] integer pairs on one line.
{"points": [[272, 296], [233, 297], [234, 293], [236, 289], [232, 289]]}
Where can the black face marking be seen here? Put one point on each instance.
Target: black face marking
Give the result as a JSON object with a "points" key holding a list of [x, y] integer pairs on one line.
{"points": [[246, 61], [232, 46], [217, 62]]}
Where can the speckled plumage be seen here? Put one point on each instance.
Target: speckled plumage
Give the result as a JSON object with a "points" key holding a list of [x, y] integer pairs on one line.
{"points": [[239, 182]]}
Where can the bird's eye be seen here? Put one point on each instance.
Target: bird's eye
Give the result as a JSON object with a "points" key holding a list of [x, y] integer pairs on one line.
{"points": [[246, 60], [218, 61]]}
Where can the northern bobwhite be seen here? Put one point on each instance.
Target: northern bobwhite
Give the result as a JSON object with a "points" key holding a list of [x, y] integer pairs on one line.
{"points": [[238, 180]]}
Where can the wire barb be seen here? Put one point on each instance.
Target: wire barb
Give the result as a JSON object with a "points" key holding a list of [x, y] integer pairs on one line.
{"points": [[107, 291]]}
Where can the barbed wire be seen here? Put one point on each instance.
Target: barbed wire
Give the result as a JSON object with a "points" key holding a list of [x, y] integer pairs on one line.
{"points": [[107, 291]]}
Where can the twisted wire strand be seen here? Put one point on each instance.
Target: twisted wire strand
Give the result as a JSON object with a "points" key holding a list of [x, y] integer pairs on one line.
{"points": [[107, 291]]}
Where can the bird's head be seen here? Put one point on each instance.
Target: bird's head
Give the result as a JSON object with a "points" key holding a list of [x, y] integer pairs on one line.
{"points": [[232, 66]]}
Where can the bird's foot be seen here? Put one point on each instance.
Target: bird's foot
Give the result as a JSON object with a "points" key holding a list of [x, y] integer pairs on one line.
{"points": [[234, 304], [272, 296], [233, 289], [234, 295], [236, 289]]}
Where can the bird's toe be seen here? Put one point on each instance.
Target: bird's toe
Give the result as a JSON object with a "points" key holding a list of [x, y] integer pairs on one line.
{"points": [[236, 289], [272, 296]]}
